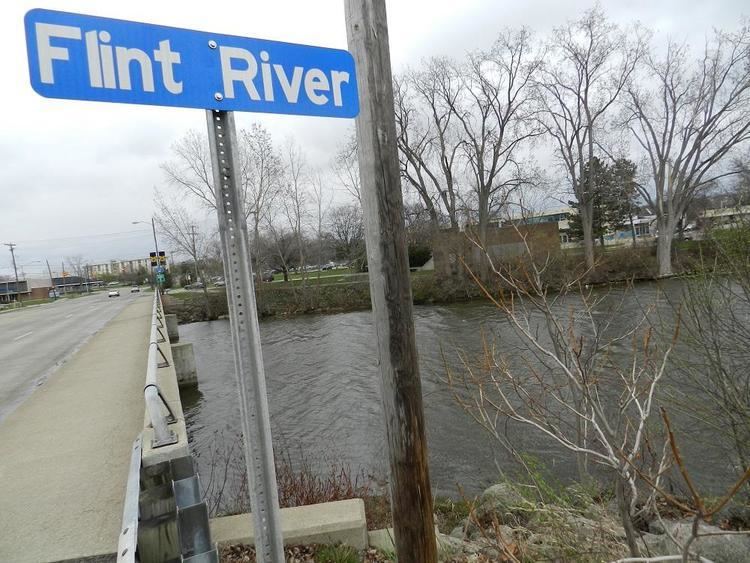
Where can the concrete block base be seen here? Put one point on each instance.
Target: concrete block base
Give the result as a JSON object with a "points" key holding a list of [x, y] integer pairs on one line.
{"points": [[184, 364], [172, 330], [330, 522]]}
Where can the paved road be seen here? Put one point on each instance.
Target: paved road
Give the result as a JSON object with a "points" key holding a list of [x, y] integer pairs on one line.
{"points": [[34, 342], [65, 451]]}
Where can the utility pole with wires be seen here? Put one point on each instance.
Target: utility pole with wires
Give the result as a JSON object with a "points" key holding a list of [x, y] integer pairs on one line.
{"points": [[52, 282], [12, 246]]}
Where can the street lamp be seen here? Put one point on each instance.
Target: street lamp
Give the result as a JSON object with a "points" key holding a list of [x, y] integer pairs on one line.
{"points": [[156, 245]]}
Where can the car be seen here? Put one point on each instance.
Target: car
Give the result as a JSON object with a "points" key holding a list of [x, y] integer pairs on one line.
{"points": [[135, 289], [114, 293], [220, 283]]}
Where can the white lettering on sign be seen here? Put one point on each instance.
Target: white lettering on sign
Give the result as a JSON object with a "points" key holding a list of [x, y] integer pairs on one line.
{"points": [[108, 65], [48, 53], [240, 65], [112, 66]]}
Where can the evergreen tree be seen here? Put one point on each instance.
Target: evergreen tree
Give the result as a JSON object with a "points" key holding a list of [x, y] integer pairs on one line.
{"points": [[600, 171], [622, 196], [615, 199]]}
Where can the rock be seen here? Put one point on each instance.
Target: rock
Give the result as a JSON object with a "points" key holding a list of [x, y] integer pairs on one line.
{"points": [[542, 546], [738, 515], [448, 547], [720, 548], [656, 527], [458, 532], [504, 503]]}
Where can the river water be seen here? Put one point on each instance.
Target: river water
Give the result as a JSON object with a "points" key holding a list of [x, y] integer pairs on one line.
{"points": [[325, 405]]}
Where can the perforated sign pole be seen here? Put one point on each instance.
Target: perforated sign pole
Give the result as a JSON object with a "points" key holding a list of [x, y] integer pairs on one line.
{"points": [[248, 360]]}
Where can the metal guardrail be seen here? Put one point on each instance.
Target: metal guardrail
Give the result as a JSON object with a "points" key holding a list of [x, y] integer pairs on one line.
{"points": [[155, 401], [127, 543], [145, 498]]}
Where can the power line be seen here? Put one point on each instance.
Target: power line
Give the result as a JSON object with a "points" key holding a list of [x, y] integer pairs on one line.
{"points": [[102, 235]]}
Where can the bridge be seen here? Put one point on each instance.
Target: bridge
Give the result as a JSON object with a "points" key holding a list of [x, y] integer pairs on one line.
{"points": [[94, 455]]}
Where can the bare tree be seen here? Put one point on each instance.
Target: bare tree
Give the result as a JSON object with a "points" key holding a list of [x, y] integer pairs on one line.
{"points": [[346, 167], [76, 264], [294, 199], [282, 244], [190, 169], [178, 225], [347, 231], [566, 383], [262, 172], [689, 118], [322, 202], [428, 139], [494, 111], [591, 62]]}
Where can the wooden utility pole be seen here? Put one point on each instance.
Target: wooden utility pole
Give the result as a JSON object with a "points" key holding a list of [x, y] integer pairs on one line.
{"points": [[390, 286], [12, 247]]}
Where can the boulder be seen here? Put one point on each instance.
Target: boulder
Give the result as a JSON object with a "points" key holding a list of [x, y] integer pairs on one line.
{"points": [[459, 532], [724, 548], [504, 503]]}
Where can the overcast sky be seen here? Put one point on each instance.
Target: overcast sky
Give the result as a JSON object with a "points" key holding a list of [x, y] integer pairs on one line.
{"points": [[74, 175]]}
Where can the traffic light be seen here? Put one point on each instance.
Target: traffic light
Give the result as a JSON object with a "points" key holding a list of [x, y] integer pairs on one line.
{"points": [[152, 256], [162, 257]]}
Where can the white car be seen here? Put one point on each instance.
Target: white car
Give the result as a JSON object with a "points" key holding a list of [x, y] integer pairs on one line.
{"points": [[114, 293], [135, 289]]}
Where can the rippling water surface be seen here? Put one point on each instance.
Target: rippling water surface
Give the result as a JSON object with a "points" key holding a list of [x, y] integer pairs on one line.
{"points": [[324, 395]]}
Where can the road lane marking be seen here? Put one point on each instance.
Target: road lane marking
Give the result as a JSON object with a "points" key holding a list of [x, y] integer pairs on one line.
{"points": [[22, 336], [68, 316]]}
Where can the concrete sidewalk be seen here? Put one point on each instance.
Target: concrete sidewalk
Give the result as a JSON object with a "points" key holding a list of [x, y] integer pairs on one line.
{"points": [[64, 453]]}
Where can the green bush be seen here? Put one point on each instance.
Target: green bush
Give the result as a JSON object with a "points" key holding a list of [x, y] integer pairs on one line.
{"points": [[419, 254]]}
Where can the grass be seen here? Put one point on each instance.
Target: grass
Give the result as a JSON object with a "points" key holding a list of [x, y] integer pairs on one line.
{"points": [[450, 513], [337, 554], [313, 276]]}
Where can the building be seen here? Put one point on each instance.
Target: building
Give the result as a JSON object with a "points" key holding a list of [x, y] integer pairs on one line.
{"points": [[118, 267], [10, 293], [72, 284], [454, 252], [725, 217], [644, 227], [561, 216]]}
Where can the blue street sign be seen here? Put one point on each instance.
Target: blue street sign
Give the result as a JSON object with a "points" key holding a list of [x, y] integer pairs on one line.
{"points": [[160, 269], [80, 57]]}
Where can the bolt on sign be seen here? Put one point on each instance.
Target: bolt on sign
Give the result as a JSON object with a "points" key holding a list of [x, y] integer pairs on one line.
{"points": [[79, 57]]}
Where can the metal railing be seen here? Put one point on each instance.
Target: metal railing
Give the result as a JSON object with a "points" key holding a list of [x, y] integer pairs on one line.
{"points": [[155, 401], [127, 543]]}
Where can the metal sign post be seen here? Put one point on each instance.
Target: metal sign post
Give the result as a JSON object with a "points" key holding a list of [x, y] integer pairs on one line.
{"points": [[243, 316]]}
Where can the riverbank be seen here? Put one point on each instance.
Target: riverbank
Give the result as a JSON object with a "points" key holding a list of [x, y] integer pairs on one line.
{"points": [[332, 294], [279, 300], [521, 520]]}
